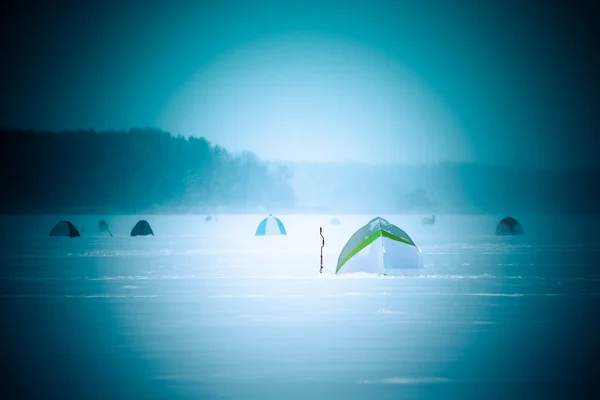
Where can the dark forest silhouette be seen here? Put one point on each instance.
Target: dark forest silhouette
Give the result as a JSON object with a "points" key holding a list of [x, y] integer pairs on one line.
{"points": [[142, 170]]}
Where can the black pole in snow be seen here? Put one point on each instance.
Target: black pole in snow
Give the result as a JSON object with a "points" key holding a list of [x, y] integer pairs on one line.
{"points": [[321, 233]]}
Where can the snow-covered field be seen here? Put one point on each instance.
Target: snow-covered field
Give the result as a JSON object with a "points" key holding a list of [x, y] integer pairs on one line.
{"points": [[207, 310]]}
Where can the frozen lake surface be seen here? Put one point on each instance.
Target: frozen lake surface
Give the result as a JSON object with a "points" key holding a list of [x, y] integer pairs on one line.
{"points": [[206, 310]]}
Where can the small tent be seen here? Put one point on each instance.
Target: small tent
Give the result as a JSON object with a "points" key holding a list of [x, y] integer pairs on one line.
{"points": [[335, 221], [509, 226], [64, 228], [103, 227], [270, 226], [428, 221], [142, 228], [382, 248]]}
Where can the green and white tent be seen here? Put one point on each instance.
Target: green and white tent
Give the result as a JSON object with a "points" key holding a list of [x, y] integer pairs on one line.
{"points": [[382, 248]]}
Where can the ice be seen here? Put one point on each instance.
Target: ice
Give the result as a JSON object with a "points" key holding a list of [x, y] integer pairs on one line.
{"points": [[208, 310]]}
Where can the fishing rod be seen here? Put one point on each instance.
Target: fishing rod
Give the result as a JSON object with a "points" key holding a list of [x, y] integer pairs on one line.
{"points": [[321, 233]]}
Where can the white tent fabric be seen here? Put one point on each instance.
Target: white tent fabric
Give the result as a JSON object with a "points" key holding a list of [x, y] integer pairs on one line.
{"points": [[380, 248], [270, 226]]}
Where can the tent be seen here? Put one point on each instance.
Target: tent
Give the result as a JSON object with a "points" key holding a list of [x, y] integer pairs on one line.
{"points": [[64, 228], [382, 248], [142, 228], [509, 226], [335, 221], [270, 226], [103, 227], [428, 221]]}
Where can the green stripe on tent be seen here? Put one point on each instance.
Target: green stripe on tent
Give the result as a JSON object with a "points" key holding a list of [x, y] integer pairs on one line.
{"points": [[375, 235], [396, 238], [358, 248]]}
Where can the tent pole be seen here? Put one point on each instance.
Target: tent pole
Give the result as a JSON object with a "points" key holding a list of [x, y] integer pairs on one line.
{"points": [[321, 233]]}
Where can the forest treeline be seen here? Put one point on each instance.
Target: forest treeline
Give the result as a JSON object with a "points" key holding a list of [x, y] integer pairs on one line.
{"points": [[140, 170]]}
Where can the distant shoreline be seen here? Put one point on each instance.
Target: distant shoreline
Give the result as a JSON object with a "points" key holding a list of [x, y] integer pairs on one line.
{"points": [[276, 212], [99, 173]]}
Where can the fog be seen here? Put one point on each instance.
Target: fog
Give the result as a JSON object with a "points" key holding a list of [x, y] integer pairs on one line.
{"points": [[201, 118], [469, 188], [146, 170]]}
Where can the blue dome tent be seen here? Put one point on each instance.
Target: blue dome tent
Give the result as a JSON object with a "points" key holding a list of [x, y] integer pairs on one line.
{"points": [[270, 226]]}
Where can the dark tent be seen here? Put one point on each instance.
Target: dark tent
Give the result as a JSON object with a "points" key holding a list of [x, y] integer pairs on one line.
{"points": [[335, 221], [64, 228], [103, 226], [142, 228], [509, 226]]}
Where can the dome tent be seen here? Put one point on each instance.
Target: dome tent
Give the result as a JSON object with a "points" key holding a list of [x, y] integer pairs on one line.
{"points": [[509, 226], [270, 226], [64, 228], [382, 248], [142, 228], [428, 221], [335, 221]]}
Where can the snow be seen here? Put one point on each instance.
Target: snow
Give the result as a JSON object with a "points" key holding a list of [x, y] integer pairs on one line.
{"points": [[208, 310]]}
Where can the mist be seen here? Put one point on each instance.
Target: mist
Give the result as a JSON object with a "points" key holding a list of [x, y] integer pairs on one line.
{"points": [[145, 170], [140, 170], [447, 188], [148, 170], [256, 143]]}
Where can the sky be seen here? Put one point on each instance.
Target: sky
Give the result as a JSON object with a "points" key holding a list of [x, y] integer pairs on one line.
{"points": [[371, 81]]}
